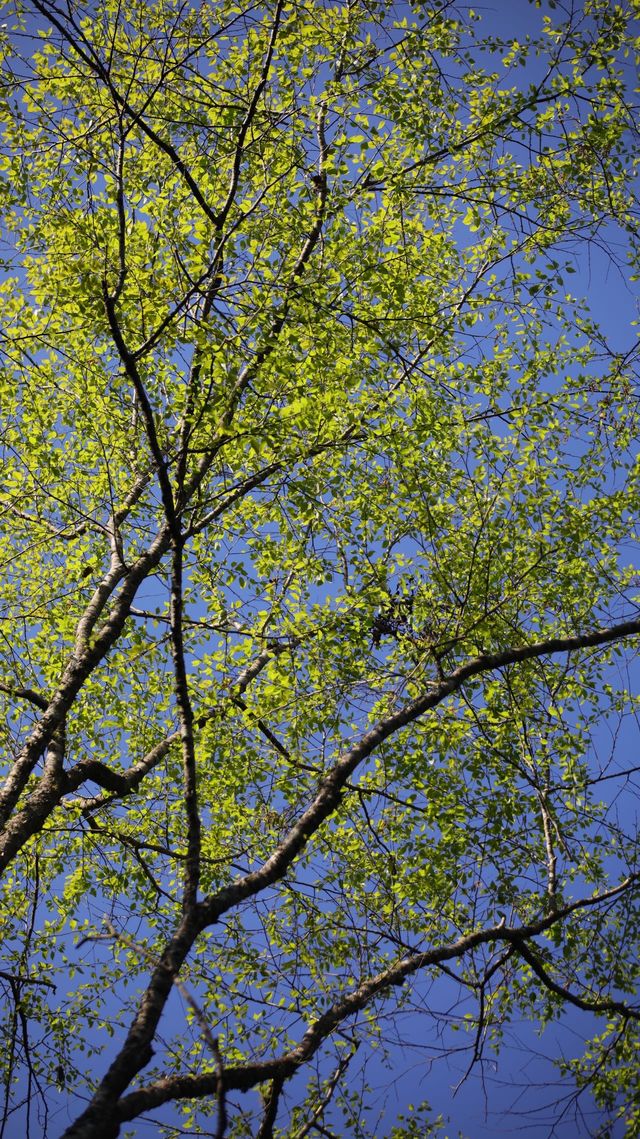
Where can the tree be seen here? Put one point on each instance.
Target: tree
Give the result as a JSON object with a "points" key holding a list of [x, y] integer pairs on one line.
{"points": [[320, 502]]}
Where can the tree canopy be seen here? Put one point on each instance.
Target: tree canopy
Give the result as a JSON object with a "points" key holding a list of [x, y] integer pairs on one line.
{"points": [[320, 504]]}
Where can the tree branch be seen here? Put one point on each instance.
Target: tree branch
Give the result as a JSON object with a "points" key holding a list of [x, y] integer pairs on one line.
{"points": [[332, 786], [247, 1076]]}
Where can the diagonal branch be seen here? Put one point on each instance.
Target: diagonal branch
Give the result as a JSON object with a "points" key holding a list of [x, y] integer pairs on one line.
{"points": [[136, 1050], [246, 1076], [40, 804], [332, 786], [76, 39], [607, 1005]]}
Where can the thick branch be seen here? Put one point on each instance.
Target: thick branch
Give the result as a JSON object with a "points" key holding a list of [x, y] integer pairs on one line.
{"points": [[135, 1052], [332, 786], [185, 713], [18, 830], [606, 1005], [246, 1076]]}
